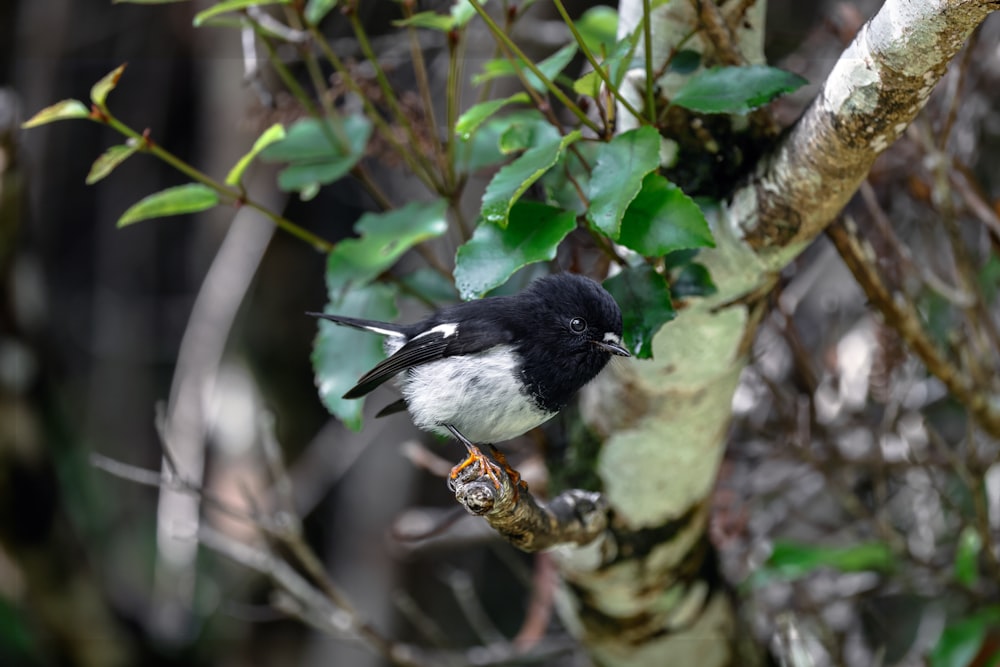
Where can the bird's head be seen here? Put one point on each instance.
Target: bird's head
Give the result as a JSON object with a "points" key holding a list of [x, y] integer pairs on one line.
{"points": [[581, 316]]}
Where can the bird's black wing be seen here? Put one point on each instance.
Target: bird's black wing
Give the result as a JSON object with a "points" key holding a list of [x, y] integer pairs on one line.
{"points": [[468, 338]]}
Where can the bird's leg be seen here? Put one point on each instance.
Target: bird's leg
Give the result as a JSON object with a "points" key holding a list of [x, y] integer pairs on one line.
{"points": [[487, 467]]}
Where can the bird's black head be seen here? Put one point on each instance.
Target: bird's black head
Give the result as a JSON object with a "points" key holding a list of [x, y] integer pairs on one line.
{"points": [[574, 327]]}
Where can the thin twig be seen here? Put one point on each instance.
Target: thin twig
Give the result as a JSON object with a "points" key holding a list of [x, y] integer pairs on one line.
{"points": [[900, 314]]}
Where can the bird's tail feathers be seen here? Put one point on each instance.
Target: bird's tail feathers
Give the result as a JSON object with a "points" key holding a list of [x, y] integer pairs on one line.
{"points": [[383, 328]]}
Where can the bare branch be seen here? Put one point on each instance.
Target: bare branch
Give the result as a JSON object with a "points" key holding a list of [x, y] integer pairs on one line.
{"points": [[901, 315]]}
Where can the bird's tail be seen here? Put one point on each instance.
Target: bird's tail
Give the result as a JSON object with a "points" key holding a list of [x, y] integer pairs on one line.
{"points": [[383, 328]]}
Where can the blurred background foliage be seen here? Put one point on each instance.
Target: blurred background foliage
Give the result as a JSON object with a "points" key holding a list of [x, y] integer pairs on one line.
{"points": [[853, 507]]}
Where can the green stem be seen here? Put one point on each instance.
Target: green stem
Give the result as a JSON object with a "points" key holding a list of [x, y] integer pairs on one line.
{"points": [[554, 89], [373, 113], [322, 94], [390, 97], [232, 194], [444, 153], [589, 55]]}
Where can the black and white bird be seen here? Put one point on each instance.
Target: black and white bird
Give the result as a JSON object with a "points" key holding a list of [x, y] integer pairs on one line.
{"points": [[492, 369]]}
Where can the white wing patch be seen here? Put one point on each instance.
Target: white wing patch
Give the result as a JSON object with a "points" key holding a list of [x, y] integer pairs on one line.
{"points": [[447, 330]]}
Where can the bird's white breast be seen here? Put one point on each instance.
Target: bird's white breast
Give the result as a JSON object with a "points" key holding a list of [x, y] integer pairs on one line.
{"points": [[477, 394]]}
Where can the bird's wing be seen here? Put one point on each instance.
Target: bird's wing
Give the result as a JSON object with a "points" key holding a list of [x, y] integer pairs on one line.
{"points": [[420, 350], [437, 343]]}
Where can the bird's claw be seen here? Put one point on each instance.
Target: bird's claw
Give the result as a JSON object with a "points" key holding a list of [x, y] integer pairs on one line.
{"points": [[491, 465]]}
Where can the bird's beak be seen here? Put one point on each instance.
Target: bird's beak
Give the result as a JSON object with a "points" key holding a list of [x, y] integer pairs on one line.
{"points": [[613, 348]]}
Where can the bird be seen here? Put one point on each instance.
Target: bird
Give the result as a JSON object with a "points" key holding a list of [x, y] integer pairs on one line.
{"points": [[489, 370]]}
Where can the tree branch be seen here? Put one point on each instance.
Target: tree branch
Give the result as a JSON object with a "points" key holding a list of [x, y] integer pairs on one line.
{"points": [[574, 517], [878, 86]]}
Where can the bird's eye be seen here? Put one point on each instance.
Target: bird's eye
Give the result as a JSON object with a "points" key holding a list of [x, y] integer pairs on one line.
{"points": [[578, 324]]}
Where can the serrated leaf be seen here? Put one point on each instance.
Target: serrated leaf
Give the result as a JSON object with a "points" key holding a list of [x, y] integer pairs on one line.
{"points": [[232, 6], [383, 238], [735, 89], [110, 159], [62, 110], [515, 178], [494, 253], [429, 20], [793, 560], [644, 298], [100, 90], [961, 640], [316, 155], [622, 163], [476, 115], [693, 280], [178, 200], [316, 10], [341, 355], [662, 219], [269, 136]]}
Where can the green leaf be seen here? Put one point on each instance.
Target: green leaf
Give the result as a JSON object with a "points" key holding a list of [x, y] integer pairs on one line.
{"points": [[383, 238], [598, 27], [494, 253], [59, 111], [662, 219], [482, 148], [428, 285], [100, 90], [735, 89], [970, 546], [269, 136], [515, 178], [685, 62], [470, 121], [463, 11], [622, 163], [644, 298], [316, 153], [178, 200], [550, 67], [316, 10], [589, 84], [429, 20], [693, 280], [961, 640], [793, 560], [341, 355], [110, 159], [232, 6], [989, 279], [571, 174]]}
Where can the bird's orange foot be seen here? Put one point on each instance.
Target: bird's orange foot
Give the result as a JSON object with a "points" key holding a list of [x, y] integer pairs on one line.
{"points": [[491, 464]]}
